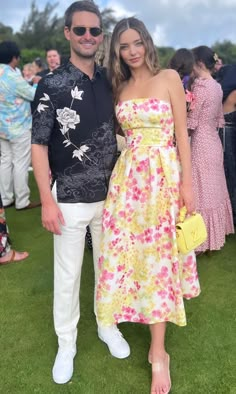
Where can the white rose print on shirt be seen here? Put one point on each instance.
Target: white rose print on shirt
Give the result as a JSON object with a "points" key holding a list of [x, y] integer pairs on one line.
{"points": [[68, 119]]}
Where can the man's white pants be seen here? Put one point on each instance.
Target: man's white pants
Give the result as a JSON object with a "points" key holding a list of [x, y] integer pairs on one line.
{"points": [[68, 259], [15, 161]]}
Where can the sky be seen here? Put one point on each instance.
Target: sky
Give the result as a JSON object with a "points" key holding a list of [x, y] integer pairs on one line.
{"points": [[175, 23]]}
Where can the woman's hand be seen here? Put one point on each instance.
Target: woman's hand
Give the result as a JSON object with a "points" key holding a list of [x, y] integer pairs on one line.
{"points": [[187, 197]]}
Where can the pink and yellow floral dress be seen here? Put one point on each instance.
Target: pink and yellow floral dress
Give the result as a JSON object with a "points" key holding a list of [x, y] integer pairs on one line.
{"points": [[142, 277]]}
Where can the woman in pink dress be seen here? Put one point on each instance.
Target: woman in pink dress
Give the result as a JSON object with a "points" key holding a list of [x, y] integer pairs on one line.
{"points": [[212, 198]]}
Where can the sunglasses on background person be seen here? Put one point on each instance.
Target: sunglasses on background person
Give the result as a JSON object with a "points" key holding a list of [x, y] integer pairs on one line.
{"points": [[81, 30]]}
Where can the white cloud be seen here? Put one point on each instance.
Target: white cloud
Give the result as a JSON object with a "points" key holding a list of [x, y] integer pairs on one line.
{"points": [[119, 10], [187, 23], [160, 37]]}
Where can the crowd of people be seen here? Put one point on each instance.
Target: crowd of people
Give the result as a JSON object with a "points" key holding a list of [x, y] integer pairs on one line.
{"points": [[178, 149]]}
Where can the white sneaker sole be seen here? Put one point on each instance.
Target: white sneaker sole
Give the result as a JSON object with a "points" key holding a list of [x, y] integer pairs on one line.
{"points": [[61, 381]]}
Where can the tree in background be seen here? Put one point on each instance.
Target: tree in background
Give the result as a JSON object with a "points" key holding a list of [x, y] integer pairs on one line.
{"points": [[41, 29], [108, 19], [226, 50], [164, 55], [6, 33], [28, 56]]}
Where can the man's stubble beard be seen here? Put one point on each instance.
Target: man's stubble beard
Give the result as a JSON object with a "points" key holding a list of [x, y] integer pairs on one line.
{"points": [[85, 55]]}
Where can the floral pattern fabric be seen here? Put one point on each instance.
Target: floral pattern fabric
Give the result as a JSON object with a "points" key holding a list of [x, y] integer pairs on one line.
{"points": [[15, 97], [142, 276], [209, 182]]}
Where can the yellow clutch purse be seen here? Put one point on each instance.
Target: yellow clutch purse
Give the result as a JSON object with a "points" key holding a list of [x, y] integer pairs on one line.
{"points": [[190, 231]]}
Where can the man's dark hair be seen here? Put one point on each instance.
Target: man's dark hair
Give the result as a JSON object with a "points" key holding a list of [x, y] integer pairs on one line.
{"points": [[8, 50], [79, 6], [52, 49], [39, 62]]}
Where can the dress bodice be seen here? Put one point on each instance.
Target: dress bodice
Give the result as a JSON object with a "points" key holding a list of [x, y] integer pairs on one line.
{"points": [[146, 121]]}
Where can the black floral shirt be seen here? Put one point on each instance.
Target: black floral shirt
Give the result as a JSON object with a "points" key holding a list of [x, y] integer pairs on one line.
{"points": [[74, 117]]}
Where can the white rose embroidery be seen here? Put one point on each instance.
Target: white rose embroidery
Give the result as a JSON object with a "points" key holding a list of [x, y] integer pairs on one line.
{"points": [[64, 130], [67, 117], [45, 97], [79, 153], [67, 143], [77, 94], [41, 107]]}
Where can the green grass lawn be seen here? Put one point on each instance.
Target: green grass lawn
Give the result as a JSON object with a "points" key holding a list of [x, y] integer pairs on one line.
{"points": [[203, 354]]}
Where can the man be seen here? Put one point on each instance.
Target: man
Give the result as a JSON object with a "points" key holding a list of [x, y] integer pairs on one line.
{"points": [[73, 135], [53, 60], [15, 129], [227, 79]]}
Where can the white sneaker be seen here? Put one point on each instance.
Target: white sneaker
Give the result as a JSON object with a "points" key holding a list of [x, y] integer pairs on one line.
{"points": [[63, 366], [117, 345]]}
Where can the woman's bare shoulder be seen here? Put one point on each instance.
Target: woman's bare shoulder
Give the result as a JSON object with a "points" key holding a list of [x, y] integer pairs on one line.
{"points": [[168, 73]]}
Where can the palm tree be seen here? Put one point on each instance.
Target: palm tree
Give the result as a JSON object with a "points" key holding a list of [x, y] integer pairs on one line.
{"points": [[108, 19]]}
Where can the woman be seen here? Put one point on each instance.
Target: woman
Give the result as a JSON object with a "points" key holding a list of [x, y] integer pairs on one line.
{"points": [[7, 255], [183, 61], [228, 133], [28, 72], [212, 199], [38, 66], [143, 279]]}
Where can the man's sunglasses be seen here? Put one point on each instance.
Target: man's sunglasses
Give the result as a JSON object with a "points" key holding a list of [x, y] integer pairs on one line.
{"points": [[81, 30]]}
